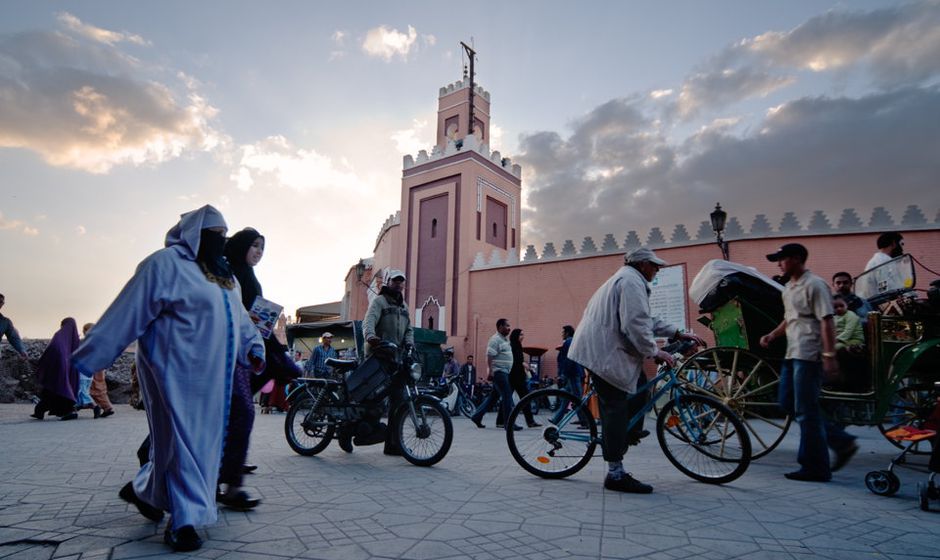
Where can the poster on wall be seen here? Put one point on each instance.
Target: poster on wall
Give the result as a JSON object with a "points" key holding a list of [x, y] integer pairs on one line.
{"points": [[667, 298]]}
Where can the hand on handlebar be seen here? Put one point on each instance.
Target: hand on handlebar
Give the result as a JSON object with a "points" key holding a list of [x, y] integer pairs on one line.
{"points": [[699, 341], [664, 358]]}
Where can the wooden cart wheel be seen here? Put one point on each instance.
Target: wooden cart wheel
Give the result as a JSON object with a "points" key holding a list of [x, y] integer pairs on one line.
{"points": [[747, 384], [911, 404]]}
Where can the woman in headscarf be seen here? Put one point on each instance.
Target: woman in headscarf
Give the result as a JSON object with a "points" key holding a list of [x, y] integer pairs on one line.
{"points": [[518, 378], [184, 309], [243, 251], [57, 375]]}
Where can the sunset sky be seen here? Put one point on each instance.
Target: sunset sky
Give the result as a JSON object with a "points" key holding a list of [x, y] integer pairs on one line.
{"points": [[292, 117]]}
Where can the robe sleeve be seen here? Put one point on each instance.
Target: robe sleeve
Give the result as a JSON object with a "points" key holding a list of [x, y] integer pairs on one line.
{"points": [[126, 319], [635, 321], [249, 337], [13, 337]]}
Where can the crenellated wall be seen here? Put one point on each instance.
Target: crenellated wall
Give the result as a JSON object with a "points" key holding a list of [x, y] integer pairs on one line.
{"points": [[468, 143], [818, 223]]}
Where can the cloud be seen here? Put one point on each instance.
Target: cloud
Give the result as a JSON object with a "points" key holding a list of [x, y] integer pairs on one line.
{"points": [[87, 105], [339, 37], [411, 140], [387, 43], [80, 230], [276, 162], [893, 47], [17, 226], [105, 36], [617, 172]]}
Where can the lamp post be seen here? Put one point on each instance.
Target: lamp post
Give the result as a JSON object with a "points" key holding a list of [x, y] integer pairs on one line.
{"points": [[718, 218]]}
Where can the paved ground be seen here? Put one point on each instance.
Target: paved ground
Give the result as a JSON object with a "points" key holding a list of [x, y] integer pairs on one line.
{"points": [[59, 484]]}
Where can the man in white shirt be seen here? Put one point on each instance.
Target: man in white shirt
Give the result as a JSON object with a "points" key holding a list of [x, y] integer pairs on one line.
{"points": [[890, 246]]}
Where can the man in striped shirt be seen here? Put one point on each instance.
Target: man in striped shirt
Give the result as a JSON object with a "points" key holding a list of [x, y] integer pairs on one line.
{"points": [[316, 365]]}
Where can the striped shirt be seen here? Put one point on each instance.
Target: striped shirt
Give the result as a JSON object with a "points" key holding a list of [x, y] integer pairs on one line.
{"points": [[500, 351]]}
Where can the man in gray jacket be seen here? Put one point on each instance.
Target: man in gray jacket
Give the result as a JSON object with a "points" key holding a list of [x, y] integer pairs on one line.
{"points": [[616, 333]]}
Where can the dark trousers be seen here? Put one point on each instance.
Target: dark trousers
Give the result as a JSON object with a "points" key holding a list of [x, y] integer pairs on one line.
{"points": [[395, 398], [502, 391], [617, 408], [241, 419], [519, 384]]}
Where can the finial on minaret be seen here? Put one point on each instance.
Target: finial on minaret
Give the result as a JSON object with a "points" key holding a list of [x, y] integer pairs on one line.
{"points": [[471, 54]]}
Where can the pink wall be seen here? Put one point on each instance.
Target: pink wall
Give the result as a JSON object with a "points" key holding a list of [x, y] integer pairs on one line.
{"points": [[542, 296], [432, 256]]}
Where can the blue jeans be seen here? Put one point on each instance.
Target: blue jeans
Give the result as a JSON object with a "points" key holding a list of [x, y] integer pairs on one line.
{"points": [[800, 384], [502, 391]]}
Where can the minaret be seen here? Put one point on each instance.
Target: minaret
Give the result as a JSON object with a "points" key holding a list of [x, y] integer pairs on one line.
{"points": [[457, 201]]}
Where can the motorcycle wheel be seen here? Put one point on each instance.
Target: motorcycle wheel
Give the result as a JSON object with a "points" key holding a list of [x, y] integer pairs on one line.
{"points": [[424, 437], [308, 432], [466, 406]]}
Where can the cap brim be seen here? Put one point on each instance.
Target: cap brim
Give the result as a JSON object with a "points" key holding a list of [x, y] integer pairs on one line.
{"points": [[659, 261], [774, 257]]}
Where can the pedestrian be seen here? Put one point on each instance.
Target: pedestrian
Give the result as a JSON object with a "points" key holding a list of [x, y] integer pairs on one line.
{"points": [[243, 251], [570, 373], [99, 387], [811, 353], [890, 246], [468, 374], [499, 360], [183, 307], [387, 319], [616, 334], [8, 330], [57, 374], [316, 365], [519, 374], [451, 367]]}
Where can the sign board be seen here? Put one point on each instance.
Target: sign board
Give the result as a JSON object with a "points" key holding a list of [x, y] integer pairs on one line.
{"points": [[667, 298]]}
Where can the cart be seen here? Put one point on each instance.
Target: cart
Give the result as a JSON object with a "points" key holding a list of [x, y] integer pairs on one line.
{"points": [[892, 387]]}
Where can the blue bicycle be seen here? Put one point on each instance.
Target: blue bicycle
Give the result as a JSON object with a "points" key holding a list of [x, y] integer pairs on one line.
{"points": [[702, 437]]}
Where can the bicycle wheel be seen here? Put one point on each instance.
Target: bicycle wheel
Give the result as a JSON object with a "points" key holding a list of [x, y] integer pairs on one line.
{"points": [[703, 438], [308, 431], [425, 437], [556, 449]]}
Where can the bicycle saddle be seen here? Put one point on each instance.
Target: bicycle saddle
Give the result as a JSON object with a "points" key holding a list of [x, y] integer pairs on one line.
{"points": [[342, 365]]}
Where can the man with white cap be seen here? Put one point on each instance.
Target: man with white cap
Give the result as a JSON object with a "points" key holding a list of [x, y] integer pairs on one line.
{"points": [[388, 319], [616, 333], [316, 365]]}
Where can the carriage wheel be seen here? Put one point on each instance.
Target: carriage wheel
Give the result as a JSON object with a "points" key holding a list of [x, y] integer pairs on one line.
{"points": [[745, 383], [911, 404]]}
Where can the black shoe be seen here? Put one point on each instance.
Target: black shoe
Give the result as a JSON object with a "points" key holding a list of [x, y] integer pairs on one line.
{"points": [[248, 469], [128, 495], [477, 421], [633, 438], [184, 539], [96, 412], [516, 427], [628, 484], [533, 424], [344, 438], [807, 477], [241, 501], [393, 450], [106, 413], [69, 416], [843, 456], [37, 416]]}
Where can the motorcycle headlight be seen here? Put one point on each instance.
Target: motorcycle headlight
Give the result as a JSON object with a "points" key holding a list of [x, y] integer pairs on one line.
{"points": [[416, 371]]}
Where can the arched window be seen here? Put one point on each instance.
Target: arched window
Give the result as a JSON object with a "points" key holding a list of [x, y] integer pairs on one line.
{"points": [[431, 323], [433, 228]]}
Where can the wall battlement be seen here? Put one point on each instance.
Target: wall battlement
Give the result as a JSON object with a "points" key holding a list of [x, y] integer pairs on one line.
{"points": [[392, 220], [469, 142], [790, 226], [459, 85]]}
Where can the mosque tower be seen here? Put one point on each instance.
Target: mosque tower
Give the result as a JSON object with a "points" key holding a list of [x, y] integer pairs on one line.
{"points": [[457, 201]]}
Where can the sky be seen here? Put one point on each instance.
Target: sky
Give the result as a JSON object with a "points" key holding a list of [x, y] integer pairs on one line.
{"points": [[293, 117]]}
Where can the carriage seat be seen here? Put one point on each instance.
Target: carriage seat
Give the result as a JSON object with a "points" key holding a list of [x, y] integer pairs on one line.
{"points": [[341, 365]]}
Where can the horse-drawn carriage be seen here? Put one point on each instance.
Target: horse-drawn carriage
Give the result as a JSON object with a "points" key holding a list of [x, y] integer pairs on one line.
{"points": [[893, 385]]}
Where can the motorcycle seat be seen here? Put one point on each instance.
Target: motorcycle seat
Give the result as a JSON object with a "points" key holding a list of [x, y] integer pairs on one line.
{"points": [[341, 365]]}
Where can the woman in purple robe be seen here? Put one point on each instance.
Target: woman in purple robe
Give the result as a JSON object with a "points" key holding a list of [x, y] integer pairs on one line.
{"points": [[57, 376]]}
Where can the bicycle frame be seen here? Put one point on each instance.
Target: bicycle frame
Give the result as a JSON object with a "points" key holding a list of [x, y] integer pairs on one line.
{"points": [[671, 383]]}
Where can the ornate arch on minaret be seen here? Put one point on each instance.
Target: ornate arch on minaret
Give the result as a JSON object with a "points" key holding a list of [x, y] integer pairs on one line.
{"points": [[431, 315]]}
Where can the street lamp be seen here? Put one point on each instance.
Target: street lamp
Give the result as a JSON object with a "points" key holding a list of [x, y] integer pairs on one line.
{"points": [[718, 218], [360, 269]]}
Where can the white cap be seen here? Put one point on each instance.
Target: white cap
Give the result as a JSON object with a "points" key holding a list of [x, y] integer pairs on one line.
{"points": [[395, 273], [643, 255]]}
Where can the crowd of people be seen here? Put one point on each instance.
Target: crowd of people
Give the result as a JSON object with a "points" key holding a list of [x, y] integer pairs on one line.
{"points": [[198, 390]]}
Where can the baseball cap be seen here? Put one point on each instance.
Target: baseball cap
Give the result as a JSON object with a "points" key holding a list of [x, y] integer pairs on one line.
{"points": [[395, 273], [643, 255], [789, 250], [326, 335]]}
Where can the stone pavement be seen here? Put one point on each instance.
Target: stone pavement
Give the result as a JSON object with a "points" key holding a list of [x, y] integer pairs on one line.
{"points": [[59, 484]]}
